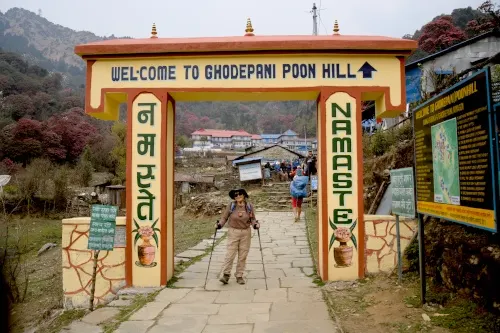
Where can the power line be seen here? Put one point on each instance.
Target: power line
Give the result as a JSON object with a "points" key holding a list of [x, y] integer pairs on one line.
{"points": [[320, 20]]}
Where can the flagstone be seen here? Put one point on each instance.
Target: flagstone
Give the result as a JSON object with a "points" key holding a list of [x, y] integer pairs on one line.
{"points": [[180, 324], [235, 296]]}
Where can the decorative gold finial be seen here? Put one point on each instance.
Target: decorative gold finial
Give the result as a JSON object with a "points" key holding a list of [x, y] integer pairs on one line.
{"points": [[153, 31], [336, 28], [249, 29]]}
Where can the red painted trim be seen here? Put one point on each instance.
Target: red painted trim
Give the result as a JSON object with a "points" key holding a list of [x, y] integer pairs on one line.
{"points": [[172, 170], [238, 53], [128, 189], [361, 211], [163, 176], [320, 187], [324, 193], [284, 44]]}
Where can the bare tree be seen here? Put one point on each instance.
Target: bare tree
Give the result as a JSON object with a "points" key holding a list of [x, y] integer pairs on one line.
{"points": [[12, 248]]}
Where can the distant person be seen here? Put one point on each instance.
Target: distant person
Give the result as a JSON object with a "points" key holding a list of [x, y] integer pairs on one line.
{"points": [[240, 216], [267, 171], [308, 162], [312, 167], [298, 191]]}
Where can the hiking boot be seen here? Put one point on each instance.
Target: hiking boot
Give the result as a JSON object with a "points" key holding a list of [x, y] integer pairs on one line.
{"points": [[240, 280], [224, 279]]}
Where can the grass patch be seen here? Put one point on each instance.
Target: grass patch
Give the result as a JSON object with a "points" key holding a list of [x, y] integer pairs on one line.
{"points": [[32, 233], [64, 319], [312, 236], [126, 312], [189, 231], [463, 316], [312, 232], [44, 293]]}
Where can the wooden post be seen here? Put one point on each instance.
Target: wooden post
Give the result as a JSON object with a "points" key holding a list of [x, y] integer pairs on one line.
{"points": [[94, 275], [398, 239]]}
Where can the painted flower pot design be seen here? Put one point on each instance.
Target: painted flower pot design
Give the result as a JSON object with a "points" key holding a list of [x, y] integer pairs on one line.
{"points": [[343, 253], [146, 251]]}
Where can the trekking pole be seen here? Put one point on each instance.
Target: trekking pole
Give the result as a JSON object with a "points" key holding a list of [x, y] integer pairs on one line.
{"points": [[210, 260], [262, 256]]}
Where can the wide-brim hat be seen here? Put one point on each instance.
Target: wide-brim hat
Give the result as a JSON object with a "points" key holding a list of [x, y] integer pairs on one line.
{"points": [[241, 190]]}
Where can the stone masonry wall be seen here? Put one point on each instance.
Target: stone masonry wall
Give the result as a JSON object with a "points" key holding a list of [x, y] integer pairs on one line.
{"points": [[381, 242], [77, 266]]}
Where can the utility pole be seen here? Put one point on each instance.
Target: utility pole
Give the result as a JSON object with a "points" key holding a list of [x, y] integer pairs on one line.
{"points": [[305, 138], [315, 20]]}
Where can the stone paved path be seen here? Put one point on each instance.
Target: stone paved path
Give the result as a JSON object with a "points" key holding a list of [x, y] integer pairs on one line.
{"points": [[291, 304]]}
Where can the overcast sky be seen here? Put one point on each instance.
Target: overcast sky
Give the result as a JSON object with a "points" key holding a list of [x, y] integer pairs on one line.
{"points": [[196, 18]]}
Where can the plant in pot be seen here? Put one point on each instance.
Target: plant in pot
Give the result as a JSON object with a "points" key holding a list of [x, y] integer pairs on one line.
{"points": [[146, 251], [343, 253]]}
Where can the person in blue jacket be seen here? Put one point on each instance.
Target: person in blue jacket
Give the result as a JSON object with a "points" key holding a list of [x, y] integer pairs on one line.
{"points": [[298, 191]]}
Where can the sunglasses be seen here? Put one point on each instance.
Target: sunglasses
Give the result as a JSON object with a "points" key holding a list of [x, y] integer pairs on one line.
{"points": [[236, 194]]}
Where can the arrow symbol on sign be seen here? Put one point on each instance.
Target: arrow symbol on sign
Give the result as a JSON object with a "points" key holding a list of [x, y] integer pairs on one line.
{"points": [[367, 70]]}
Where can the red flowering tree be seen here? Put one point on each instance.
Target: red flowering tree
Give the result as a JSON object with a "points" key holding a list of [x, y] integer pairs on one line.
{"points": [[74, 130], [486, 22], [439, 35]]}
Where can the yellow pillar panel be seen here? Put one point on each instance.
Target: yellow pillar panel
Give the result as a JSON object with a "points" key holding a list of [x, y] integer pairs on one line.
{"points": [[145, 184], [342, 126]]}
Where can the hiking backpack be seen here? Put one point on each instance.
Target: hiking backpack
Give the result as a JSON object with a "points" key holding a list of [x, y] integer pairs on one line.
{"points": [[233, 206]]}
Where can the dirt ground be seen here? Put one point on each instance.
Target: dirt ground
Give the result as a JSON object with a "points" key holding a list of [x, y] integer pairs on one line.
{"points": [[379, 305], [44, 294], [43, 304]]}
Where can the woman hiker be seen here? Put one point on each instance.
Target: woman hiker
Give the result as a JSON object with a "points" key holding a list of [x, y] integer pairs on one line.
{"points": [[239, 215], [298, 191]]}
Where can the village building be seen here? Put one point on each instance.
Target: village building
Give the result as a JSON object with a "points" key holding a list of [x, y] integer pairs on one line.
{"points": [[227, 139], [211, 138], [271, 154], [422, 74]]}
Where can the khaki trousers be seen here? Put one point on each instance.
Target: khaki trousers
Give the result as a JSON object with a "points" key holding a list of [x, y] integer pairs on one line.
{"points": [[238, 242]]}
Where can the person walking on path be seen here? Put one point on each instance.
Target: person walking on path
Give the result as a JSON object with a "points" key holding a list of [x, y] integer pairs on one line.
{"points": [[298, 191], [240, 216]]}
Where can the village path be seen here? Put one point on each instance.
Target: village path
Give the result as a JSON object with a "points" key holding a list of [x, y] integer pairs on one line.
{"points": [[292, 303]]}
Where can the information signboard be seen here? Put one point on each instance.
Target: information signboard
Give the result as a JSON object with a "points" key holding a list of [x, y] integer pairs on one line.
{"points": [[102, 227], [120, 236], [250, 171], [454, 154], [314, 183], [403, 192]]}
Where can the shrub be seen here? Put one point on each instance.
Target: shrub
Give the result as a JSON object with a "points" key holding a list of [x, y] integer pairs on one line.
{"points": [[84, 169], [381, 142], [61, 192]]}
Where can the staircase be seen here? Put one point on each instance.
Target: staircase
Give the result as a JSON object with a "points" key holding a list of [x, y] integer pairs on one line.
{"points": [[276, 197]]}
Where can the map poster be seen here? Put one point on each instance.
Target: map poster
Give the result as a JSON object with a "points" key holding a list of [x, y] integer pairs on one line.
{"points": [[454, 159], [403, 192], [102, 227]]}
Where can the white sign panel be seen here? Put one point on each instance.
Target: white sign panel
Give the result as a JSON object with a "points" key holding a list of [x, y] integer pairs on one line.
{"points": [[250, 171], [314, 183]]}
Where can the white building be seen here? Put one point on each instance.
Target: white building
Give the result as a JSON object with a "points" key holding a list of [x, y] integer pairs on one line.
{"points": [[210, 138]]}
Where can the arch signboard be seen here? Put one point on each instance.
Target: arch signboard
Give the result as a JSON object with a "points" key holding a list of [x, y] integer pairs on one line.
{"points": [[151, 75]]}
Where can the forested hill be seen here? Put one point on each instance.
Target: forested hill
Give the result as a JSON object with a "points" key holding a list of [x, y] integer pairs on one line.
{"points": [[44, 43]]}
